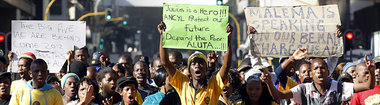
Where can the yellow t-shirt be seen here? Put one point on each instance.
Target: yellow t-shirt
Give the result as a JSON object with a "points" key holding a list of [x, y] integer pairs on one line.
{"points": [[222, 100], [22, 96], [16, 84], [208, 95], [138, 98], [289, 84]]}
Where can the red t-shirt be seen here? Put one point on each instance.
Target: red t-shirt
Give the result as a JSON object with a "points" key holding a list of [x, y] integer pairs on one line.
{"points": [[369, 97]]}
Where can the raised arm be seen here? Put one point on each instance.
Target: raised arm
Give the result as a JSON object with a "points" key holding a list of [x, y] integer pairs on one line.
{"points": [[227, 57], [297, 55], [276, 94], [164, 55], [69, 55], [370, 84]]}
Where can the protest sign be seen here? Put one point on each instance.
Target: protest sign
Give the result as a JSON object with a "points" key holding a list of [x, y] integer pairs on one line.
{"points": [[200, 27], [282, 30], [48, 40]]}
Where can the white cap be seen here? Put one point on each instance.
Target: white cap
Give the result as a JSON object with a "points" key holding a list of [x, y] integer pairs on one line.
{"points": [[252, 71]]}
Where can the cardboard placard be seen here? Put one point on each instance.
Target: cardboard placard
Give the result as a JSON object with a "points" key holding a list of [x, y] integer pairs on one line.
{"points": [[282, 30]]}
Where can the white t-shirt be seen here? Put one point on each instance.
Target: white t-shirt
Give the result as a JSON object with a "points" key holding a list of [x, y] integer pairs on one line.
{"points": [[307, 94]]}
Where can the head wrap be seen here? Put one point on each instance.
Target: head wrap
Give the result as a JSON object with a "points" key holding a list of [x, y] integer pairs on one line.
{"points": [[28, 55], [196, 54], [65, 77], [348, 65]]}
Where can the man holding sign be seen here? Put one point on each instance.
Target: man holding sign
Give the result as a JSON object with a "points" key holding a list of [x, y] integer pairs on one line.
{"points": [[207, 24], [197, 90], [195, 27]]}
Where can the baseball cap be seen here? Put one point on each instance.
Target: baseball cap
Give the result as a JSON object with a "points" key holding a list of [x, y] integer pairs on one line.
{"points": [[121, 82], [6, 74]]}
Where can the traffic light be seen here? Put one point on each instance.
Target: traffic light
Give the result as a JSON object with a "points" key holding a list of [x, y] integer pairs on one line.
{"points": [[2, 38], [125, 20], [2, 44], [219, 2], [101, 43], [108, 15], [349, 35]]}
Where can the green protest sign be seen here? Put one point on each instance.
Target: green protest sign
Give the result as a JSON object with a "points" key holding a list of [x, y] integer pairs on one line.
{"points": [[200, 27]]}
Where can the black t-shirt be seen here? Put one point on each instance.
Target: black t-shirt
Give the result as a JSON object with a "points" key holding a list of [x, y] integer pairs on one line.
{"points": [[5, 101], [171, 98]]}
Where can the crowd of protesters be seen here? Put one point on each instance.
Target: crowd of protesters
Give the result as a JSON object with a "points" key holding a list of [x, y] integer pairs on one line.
{"points": [[201, 80]]}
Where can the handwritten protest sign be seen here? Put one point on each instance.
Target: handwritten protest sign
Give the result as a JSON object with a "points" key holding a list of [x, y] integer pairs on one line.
{"points": [[281, 30], [201, 27], [48, 40]]}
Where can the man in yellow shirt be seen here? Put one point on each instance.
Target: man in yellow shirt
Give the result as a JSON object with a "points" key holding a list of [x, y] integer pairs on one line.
{"points": [[197, 90], [37, 91], [23, 69]]}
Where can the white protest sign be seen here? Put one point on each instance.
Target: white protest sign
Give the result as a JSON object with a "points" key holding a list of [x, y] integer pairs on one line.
{"points": [[47, 40], [282, 30]]}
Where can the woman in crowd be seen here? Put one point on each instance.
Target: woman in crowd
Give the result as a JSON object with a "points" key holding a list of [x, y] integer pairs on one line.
{"points": [[255, 92], [162, 81], [87, 93], [230, 94], [107, 82], [69, 86]]}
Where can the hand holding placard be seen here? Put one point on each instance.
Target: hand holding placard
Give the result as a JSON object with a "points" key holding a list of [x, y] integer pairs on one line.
{"points": [[161, 27], [299, 54]]}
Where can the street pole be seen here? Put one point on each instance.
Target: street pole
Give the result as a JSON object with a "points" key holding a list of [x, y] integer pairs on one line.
{"points": [[47, 9], [348, 19], [237, 30], [91, 14]]}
